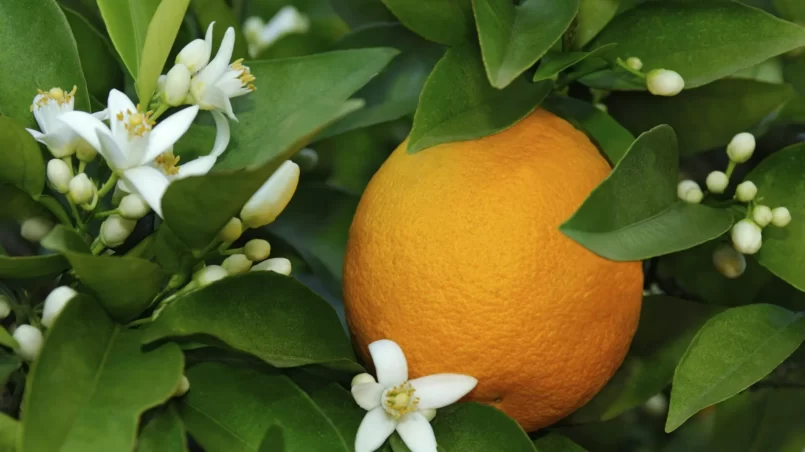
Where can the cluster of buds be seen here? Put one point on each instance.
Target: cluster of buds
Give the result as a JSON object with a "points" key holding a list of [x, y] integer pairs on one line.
{"points": [[659, 82], [30, 338]]}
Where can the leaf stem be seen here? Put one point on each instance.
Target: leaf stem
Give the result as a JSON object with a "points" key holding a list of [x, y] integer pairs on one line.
{"points": [[730, 169], [160, 110], [108, 185], [105, 213]]}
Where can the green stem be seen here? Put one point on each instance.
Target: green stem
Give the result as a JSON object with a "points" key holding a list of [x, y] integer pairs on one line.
{"points": [[69, 161], [82, 165], [56, 209], [160, 110], [139, 322], [730, 169], [105, 213], [232, 251], [626, 67], [76, 215], [97, 247], [108, 185]]}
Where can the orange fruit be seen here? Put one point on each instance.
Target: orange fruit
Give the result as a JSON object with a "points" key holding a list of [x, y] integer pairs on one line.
{"points": [[455, 254]]}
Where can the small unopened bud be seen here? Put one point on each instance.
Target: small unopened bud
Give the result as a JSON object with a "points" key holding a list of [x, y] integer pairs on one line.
{"points": [[429, 413], [747, 237], [133, 207], [270, 200], [236, 264], [662, 82], [194, 55], [689, 191], [634, 63], [741, 147], [59, 175], [177, 85], [729, 262], [81, 189], [182, 387], [278, 264], [657, 404], [84, 151], [781, 217], [252, 28], [30, 341], [746, 191], [762, 215], [36, 228], [717, 182], [257, 250], [232, 231], [601, 106], [5, 306], [307, 159], [363, 378], [115, 230], [55, 303], [209, 275]]}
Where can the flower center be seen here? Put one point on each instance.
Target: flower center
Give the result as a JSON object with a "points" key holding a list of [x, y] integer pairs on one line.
{"points": [[57, 95], [169, 163], [136, 123], [400, 400], [246, 76]]}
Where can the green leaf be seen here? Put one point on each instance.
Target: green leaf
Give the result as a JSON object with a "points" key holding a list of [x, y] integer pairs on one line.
{"points": [[702, 41], [268, 315], [22, 165], [634, 214], [472, 427], [25, 267], [335, 402], [362, 12], [593, 16], [209, 11], [779, 184], [229, 409], [394, 93], [732, 351], [38, 53], [555, 62], [443, 21], [127, 23], [554, 442], [697, 115], [18, 205], [760, 421], [7, 341], [8, 365], [792, 10], [273, 440], [457, 102], [64, 239], [514, 36], [163, 433], [9, 433], [92, 381], [161, 33]]}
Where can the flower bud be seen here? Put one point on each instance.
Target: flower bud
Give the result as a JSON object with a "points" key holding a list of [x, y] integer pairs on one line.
{"points": [[729, 262], [117, 195], [257, 249], [717, 182], [30, 341], [59, 175], [177, 85], [363, 378], [115, 230], [81, 189], [634, 63], [662, 82], [741, 147], [307, 159], [657, 405], [236, 264], [278, 264], [689, 191], [133, 207], [288, 20], [194, 56], [5, 306], [55, 303], [780, 217], [182, 387], [746, 191], [747, 236], [601, 106], [270, 200], [762, 215], [429, 413], [232, 231], [209, 275], [252, 27], [36, 228], [84, 151]]}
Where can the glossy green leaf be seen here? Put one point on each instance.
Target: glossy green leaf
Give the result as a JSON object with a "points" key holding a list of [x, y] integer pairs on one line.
{"points": [[18, 205], [554, 442], [92, 381], [472, 427], [64, 239], [36, 55], [9, 433], [793, 10], [127, 23], [362, 12], [697, 115], [514, 36], [732, 351], [335, 402], [555, 62], [702, 41], [161, 33], [6, 340], [457, 102], [8, 365], [268, 315], [273, 440], [634, 214], [443, 21], [209, 11], [593, 16], [25, 267], [779, 184], [163, 433], [23, 165]]}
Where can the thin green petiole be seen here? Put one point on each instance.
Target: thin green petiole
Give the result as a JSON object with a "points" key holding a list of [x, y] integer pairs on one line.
{"points": [[108, 185]]}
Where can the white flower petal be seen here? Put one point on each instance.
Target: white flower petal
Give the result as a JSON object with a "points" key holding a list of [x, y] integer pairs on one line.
{"points": [[440, 390], [220, 63], [119, 102], [91, 129], [168, 132], [368, 395], [215, 98], [375, 428], [36, 134], [221, 134], [208, 36], [103, 115], [149, 183], [111, 151], [416, 433], [197, 167], [61, 143], [390, 363]]}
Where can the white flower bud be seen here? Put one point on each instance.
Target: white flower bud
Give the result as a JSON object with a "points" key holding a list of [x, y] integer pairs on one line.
{"points": [[55, 303], [252, 28], [81, 189], [115, 230], [746, 191], [84, 151], [232, 231], [236, 264], [30, 340], [362, 378], [270, 200], [634, 63], [194, 55], [781, 217], [288, 20], [182, 387], [657, 404], [59, 175], [762, 215], [717, 182], [177, 85], [36, 228], [257, 249], [429, 413], [209, 275], [160, 85], [741, 147], [689, 191], [662, 82], [118, 194], [747, 237], [729, 262], [601, 106], [278, 264], [5, 306], [133, 207]]}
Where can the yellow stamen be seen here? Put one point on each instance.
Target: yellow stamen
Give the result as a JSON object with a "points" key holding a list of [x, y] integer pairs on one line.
{"points": [[169, 162]]}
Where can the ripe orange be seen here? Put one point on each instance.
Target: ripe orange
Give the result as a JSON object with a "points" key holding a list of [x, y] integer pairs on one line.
{"points": [[456, 255]]}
